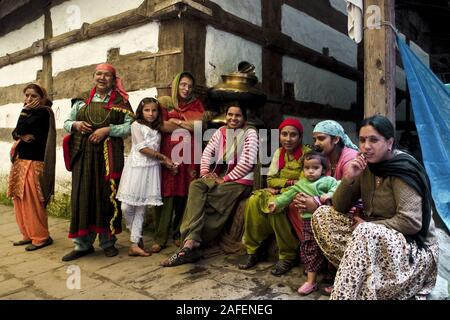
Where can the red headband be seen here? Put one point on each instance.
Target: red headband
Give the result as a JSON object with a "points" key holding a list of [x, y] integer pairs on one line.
{"points": [[118, 83], [298, 151], [291, 122]]}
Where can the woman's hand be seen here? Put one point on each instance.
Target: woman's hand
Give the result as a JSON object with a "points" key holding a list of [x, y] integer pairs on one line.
{"points": [[98, 135], [178, 122], [82, 127], [27, 138], [169, 164], [354, 168], [210, 175], [32, 105], [219, 180], [273, 190], [305, 203]]}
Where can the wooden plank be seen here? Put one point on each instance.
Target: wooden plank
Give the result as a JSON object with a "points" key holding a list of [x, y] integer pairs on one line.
{"points": [[379, 61]]}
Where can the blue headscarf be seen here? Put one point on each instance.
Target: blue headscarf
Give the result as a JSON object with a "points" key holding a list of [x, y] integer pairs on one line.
{"points": [[333, 128]]}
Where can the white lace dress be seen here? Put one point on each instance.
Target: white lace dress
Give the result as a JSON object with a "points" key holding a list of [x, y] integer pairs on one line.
{"points": [[140, 183]]}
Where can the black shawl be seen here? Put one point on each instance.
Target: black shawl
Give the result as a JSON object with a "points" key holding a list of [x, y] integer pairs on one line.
{"points": [[407, 168]]}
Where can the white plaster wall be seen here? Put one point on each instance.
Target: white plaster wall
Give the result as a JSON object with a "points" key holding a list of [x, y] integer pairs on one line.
{"points": [[340, 5], [316, 85], [143, 38], [62, 175], [72, 14], [9, 113], [21, 72], [22, 38], [423, 56], [308, 125], [224, 51], [249, 10], [316, 35]]}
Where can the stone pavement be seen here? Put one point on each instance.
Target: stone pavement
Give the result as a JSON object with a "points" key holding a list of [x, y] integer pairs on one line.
{"points": [[42, 275]]}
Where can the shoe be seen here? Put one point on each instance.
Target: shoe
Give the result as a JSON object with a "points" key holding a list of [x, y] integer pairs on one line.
{"points": [[111, 251], [21, 242], [251, 261], [187, 255], [77, 254], [307, 288], [282, 266], [33, 247]]}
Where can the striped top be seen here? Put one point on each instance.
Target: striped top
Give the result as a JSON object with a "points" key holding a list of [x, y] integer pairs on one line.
{"points": [[240, 166]]}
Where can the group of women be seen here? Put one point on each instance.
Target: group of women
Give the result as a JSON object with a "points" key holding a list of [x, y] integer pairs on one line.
{"points": [[378, 233]]}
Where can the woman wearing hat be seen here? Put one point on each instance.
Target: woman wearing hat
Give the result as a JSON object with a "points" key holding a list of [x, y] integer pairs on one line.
{"points": [[259, 224]]}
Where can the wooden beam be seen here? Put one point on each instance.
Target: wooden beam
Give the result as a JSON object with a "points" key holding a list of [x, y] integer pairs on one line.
{"points": [[379, 59], [272, 61], [322, 11], [194, 43], [277, 41], [313, 110], [47, 68], [127, 19]]}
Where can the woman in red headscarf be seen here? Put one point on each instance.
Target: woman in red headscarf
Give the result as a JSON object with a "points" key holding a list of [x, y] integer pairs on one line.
{"points": [[32, 177], [259, 224], [98, 122]]}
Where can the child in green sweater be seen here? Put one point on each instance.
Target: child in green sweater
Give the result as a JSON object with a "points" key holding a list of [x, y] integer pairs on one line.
{"points": [[312, 182]]}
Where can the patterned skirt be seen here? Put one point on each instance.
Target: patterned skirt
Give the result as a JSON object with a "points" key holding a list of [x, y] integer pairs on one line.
{"points": [[374, 262]]}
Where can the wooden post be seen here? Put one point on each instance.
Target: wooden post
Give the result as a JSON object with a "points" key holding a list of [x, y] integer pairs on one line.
{"points": [[47, 70], [379, 59], [272, 61]]}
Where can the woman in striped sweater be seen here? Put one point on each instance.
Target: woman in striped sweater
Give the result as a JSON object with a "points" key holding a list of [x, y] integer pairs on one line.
{"points": [[226, 172]]}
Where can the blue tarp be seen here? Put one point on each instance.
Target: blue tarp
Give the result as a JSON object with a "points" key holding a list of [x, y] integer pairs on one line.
{"points": [[430, 101]]}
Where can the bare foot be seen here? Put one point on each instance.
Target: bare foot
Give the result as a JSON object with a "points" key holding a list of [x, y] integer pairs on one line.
{"points": [[156, 248], [136, 251]]}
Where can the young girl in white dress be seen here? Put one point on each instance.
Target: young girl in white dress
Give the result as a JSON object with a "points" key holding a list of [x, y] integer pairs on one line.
{"points": [[140, 184]]}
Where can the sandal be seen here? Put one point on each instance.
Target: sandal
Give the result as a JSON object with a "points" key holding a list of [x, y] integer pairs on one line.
{"points": [[188, 256], [327, 290], [282, 266], [33, 247], [307, 288]]}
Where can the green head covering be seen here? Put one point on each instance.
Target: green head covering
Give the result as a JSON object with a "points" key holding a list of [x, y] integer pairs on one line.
{"points": [[175, 83], [333, 128]]}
